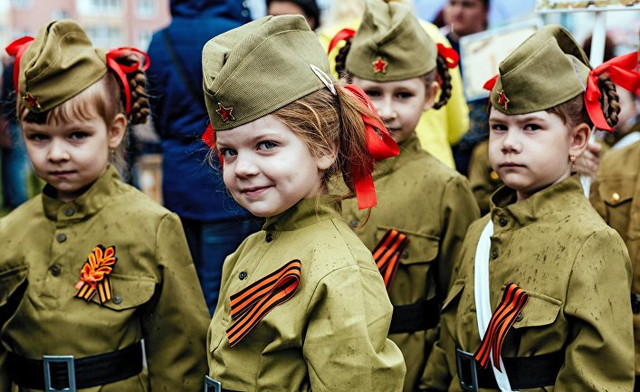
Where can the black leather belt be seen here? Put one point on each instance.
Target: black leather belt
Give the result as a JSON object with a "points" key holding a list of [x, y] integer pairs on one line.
{"points": [[419, 316], [64, 372], [523, 372], [635, 303]]}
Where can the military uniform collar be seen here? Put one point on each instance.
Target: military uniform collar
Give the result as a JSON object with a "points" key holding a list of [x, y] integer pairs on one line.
{"points": [[87, 204], [506, 212], [407, 150], [306, 212]]}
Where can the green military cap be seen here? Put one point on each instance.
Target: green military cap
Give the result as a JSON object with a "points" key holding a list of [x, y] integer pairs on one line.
{"points": [[60, 63], [547, 69], [257, 68], [390, 44]]}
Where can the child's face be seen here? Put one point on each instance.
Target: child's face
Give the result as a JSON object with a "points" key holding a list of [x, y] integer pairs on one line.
{"points": [[268, 168], [400, 103], [531, 151], [74, 154]]}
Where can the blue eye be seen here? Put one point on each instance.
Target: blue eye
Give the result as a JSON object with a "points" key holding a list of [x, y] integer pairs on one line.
{"points": [[228, 152], [266, 145], [532, 127], [78, 135], [37, 137]]}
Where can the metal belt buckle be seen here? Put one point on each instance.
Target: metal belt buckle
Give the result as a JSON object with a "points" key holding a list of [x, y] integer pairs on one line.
{"points": [[467, 371], [71, 372], [211, 385]]}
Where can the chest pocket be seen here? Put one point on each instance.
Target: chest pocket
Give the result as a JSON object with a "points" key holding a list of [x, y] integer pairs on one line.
{"points": [[130, 291], [539, 311], [420, 249], [617, 195], [12, 282]]}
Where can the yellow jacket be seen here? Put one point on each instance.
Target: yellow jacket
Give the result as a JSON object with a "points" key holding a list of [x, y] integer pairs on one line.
{"points": [[437, 129]]}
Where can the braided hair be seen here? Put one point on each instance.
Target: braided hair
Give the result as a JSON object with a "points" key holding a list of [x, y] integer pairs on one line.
{"points": [[444, 79], [137, 86]]}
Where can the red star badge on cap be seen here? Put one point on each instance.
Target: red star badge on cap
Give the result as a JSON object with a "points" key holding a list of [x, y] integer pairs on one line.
{"points": [[31, 100], [225, 114], [503, 100], [380, 66]]}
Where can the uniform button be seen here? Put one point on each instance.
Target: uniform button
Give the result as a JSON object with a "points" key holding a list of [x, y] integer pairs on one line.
{"points": [[269, 237], [69, 211], [55, 269], [353, 223], [503, 221], [494, 176], [519, 317], [117, 299], [61, 237], [242, 275], [494, 253], [405, 254], [615, 196]]}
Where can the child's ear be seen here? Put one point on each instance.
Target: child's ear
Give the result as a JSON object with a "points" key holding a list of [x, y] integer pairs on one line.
{"points": [[579, 139], [431, 93], [116, 131], [326, 158]]}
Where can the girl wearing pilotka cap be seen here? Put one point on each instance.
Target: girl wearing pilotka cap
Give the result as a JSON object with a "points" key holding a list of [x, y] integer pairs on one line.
{"points": [[540, 296], [302, 306], [424, 207], [91, 267]]}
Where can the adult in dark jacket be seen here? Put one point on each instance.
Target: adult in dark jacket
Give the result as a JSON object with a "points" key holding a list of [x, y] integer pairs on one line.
{"points": [[215, 225]]}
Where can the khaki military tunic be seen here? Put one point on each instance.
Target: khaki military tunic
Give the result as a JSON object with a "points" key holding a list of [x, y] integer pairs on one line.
{"points": [[156, 295], [430, 203], [616, 196], [577, 273], [332, 334]]}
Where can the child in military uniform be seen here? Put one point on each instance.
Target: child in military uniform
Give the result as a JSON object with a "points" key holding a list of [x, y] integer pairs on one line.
{"points": [[302, 306], [91, 266], [424, 207], [615, 194], [539, 298]]}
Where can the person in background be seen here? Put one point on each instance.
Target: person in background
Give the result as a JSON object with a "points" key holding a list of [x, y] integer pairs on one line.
{"points": [[213, 222], [437, 130], [307, 8], [13, 154], [465, 17]]}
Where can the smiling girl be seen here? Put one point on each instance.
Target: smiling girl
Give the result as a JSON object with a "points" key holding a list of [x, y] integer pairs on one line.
{"points": [[424, 205], [302, 306], [91, 267], [540, 296]]}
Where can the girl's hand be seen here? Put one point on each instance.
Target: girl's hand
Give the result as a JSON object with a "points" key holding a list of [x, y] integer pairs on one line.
{"points": [[587, 163]]}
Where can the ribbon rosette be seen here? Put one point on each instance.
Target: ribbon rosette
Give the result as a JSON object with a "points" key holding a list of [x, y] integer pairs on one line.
{"points": [[94, 275]]}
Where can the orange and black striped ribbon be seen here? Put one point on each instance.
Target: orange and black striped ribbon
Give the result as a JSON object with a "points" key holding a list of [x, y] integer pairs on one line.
{"points": [[387, 254], [94, 275], [513, 300], [252, 303]]}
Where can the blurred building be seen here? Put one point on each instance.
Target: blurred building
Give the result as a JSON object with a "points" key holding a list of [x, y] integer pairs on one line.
{"points": [[109, 23]]}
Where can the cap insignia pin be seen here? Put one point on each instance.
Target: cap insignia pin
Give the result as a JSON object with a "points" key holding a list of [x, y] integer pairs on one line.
{"points": [[226, 114], [380, 66]]}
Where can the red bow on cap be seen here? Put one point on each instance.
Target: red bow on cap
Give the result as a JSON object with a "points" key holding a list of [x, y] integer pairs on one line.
{"points": [[208, 137], [620, 71], [488, 85], [16, 49], [342, 35], [121, 70], [380, 145]]}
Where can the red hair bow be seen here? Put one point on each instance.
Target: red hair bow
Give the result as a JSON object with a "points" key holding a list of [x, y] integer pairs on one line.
{"points": [[488, 85], [620, 71], [342, 35], [121, 70], [380, 145], [449, 55], [208, 137], [17, 49]]}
